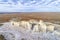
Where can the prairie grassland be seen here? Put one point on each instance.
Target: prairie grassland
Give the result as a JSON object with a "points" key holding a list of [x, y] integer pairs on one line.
{"points": [[46, 16]]}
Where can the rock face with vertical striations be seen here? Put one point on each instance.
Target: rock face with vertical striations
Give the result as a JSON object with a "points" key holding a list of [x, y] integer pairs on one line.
{"points": [[29, 30]]}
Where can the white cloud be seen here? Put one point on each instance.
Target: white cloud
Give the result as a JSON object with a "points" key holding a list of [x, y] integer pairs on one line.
{"points": [[28, 7]]}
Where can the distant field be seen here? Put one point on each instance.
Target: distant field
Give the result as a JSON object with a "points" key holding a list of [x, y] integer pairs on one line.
{"points": [[46, 16]]}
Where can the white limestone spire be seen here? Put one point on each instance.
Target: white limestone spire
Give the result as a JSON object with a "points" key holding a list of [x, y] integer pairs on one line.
{"points": [[43, 26]]}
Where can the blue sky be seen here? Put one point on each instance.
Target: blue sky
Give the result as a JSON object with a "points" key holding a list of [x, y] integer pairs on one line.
{"points": [[29, 5]]}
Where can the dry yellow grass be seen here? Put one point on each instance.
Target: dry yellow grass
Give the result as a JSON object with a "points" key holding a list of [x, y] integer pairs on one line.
{"points": [[47, 16]]}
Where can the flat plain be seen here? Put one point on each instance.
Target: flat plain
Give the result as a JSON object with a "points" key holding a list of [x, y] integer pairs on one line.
{"points": [[46, 16]]}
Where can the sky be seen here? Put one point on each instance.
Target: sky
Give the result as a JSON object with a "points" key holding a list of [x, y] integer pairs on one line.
{"points": [[29, 5]]}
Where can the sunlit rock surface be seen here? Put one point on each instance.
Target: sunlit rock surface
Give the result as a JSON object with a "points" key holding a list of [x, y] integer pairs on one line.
{"points": [[32, 31]]}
